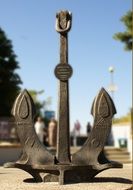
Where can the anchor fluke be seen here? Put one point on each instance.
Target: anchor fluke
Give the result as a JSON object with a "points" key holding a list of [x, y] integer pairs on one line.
{"points": [[23, 107], [103, 110], [103, 105], [34, 152]]}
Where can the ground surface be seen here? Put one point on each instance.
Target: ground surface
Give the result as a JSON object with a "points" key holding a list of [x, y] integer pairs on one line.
{"points": [[112, 179]]}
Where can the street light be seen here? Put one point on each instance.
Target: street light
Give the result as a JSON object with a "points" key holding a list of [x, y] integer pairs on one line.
{"points": [[112, 87]]}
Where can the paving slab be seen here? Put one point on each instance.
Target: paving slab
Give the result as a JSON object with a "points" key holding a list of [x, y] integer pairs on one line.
{"points": [[112, 179]]}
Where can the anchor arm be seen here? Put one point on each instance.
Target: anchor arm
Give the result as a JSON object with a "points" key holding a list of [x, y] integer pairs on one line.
{"points": [[33, 151], [103, 110]]}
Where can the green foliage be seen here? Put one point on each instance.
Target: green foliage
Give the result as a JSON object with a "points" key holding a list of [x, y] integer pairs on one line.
{"points": [[123, 119], [127, 36], [38, 104], [9, 79]]}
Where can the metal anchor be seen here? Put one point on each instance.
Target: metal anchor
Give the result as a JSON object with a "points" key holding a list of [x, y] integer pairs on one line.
{"points": [[83, 165]]}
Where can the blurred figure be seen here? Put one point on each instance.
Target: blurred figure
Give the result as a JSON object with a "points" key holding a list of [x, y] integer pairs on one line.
{"points": [[39, 128], [77, 127], [88, 128], [13, 135], [76, 132], [110, 139], [45, 136], [52, 132]]}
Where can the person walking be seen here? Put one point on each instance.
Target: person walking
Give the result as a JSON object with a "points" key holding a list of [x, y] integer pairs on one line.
{"points": [[52, 132], [88, 128], [39, 128]]}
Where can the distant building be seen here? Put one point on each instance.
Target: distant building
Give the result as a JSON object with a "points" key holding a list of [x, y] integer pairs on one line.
{"points": [[49, 114], [7, 129], [122, 134]]}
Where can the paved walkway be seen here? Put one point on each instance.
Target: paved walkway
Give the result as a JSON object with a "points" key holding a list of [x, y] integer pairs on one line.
{"points": [[112, 179]]}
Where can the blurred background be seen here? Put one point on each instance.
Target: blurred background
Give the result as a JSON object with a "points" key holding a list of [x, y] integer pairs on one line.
{"points": [[100, 45]]}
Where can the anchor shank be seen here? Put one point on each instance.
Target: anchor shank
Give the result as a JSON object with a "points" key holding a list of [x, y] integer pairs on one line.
{"points": [[63, 72], [63, 145], [64, 48]]}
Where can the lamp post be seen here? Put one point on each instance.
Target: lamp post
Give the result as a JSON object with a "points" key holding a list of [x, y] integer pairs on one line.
{"points": [[112, 87]]}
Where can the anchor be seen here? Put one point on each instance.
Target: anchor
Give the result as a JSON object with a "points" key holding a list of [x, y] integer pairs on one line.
{"points": [[63, 167]]}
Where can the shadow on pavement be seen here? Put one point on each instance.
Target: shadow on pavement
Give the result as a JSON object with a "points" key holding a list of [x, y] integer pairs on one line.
{"points": [[30, 180], [111, 179], [94, 180]]}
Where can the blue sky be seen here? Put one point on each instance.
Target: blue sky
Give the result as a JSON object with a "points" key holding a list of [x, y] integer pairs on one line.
{"points": [[31, 27]]}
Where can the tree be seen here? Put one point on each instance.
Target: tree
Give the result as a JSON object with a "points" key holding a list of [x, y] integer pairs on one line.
{"points": [[124, 119], [39, 105], [9, 79], [127, 36]]}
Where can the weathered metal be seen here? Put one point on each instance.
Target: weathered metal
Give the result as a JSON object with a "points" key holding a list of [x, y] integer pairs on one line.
{"points": [[63, 71], [63, 167]]}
